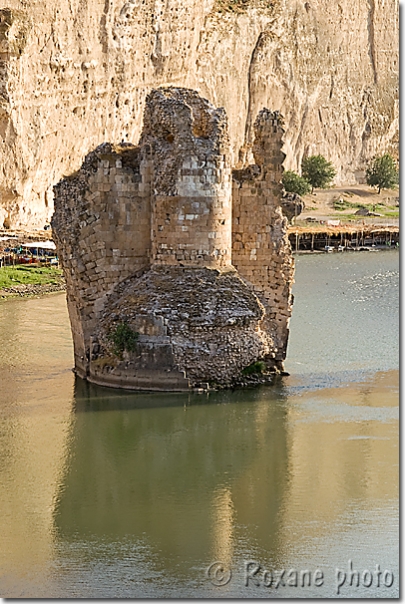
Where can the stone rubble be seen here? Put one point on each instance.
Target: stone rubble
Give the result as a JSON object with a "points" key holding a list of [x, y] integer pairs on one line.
{"points": [[27, 290]]}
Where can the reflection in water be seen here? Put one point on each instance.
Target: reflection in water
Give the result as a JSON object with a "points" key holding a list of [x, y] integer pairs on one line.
{"points": [[176, 472], [110, 493]]}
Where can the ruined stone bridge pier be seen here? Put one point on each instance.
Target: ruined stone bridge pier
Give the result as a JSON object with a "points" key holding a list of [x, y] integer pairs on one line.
{"points": [[164, 245]]}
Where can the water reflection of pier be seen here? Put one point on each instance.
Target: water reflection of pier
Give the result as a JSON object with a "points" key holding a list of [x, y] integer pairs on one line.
{"points": [[124, 495], [176, 486], [186, 475]]}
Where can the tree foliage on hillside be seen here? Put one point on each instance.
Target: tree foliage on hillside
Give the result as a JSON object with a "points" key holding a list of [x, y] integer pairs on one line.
{"points": [[294, 183], [383, 173], [317, 171]]}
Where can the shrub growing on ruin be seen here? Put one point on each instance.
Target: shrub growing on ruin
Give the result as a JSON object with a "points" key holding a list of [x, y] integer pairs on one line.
{"points": [[123, 338], [294, 183], [383, 173], [317, 171], [256, 368]]}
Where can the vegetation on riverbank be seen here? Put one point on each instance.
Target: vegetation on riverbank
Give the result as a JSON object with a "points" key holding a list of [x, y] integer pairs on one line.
{"points": [[343, 203], [384, 210], [29, 275]]}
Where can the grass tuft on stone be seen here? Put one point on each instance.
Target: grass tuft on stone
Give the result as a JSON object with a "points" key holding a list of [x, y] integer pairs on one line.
{"points": [[123, 337], [256, 368]]}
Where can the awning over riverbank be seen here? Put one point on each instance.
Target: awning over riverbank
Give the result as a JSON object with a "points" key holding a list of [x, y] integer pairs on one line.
{"points": [[341, 229], [42, 245], [349, 237]]}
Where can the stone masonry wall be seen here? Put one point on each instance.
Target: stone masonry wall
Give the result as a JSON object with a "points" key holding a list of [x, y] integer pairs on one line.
{"points": [[260, 249], [101, 227], [191, 210], [146, 241]]}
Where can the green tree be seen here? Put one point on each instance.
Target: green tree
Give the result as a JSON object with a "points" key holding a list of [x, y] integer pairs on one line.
{"points": [[383, 173], [294, 183], [317, 171]]}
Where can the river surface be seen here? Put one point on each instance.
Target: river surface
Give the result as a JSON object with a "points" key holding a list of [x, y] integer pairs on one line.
{"points": [[107, 493]]}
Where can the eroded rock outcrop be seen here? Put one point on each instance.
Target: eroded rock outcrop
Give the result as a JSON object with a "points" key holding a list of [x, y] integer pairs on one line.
{"points": [[74, 74], [164, 241]]}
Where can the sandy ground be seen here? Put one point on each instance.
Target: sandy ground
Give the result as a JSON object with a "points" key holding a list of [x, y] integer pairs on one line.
{"points": [[319, 204]]}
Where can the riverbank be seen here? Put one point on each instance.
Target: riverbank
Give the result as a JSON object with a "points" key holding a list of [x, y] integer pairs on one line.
{"points": [[343, 203], [346, 218], [26, 281], [28, 291]]}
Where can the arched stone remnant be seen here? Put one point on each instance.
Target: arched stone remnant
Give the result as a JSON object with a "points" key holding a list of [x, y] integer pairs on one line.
{"points": [[167, 248]]}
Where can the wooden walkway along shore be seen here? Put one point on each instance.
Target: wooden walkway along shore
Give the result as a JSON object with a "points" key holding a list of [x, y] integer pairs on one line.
{"points": [[343, 237]]}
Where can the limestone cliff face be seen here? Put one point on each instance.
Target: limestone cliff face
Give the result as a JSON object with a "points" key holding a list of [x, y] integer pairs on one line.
{"points": [[76, 73]]}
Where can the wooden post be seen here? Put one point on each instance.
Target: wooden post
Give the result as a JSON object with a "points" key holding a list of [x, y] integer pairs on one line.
{"points": [[312, 242]]}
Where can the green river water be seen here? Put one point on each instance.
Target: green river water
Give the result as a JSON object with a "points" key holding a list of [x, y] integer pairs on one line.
{"points": [[107, 493]]}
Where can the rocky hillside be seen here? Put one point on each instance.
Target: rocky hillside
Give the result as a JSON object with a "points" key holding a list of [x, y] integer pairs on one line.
{"points": [[75, 73]]}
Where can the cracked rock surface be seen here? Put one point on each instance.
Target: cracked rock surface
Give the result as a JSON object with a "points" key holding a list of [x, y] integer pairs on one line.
{"points": [[75, 74]]}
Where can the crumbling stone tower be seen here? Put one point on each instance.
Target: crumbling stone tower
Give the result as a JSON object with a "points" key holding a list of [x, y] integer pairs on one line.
{"points": [[261, 251], [164, 241], [191, 182]]}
